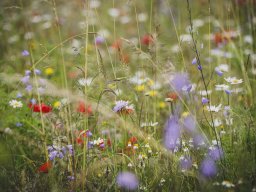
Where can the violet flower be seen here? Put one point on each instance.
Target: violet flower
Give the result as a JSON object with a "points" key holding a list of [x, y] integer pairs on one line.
{"points": [[180, 81], [127, 180], [215, 153], [205, 100], [190, 123], [185, 163], [25, 53], [208, 168], [25, 79], [194, 61], [172, 133], [120, 105]]}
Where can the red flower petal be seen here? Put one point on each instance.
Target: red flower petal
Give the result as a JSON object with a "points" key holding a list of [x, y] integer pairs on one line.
{"points": [[45, 167]]}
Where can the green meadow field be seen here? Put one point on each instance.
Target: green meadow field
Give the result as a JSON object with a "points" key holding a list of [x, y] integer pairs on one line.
{"points": [[127, 95]]}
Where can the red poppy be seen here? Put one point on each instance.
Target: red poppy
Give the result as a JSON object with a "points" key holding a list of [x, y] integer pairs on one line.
{"points": [[173, 96], [73, 74], [38, 108], [243, 2], [109, 143], [147, 40], [45, 167], [133, 140], [218, 38], [117, 44], [125, 58], [224, 37], [82, 108], [79, 141]]}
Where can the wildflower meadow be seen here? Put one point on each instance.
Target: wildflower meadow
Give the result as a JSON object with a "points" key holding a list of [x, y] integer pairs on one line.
{"points": [[127, 95]]}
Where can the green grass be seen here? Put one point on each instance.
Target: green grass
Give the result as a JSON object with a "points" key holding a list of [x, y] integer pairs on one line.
{"points": [[61, 35]]}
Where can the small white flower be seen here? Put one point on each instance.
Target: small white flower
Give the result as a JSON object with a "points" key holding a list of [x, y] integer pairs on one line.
{"points": [[185, 38], [204, 92], [216, 183], [15, 104], [85, 81], [98, 141], [237, 90], [64, 101], [223, 67], [129, 165], [113, 12], [8, 131], [248, 39], [94, 4], [147, 145], [229, 121], [214, 142], [240, 181], [227, 184], [142, 17], [217, 122], [222, 132], [162, 180], [214, 108], [233, 80], [195, 165], [125, 19], [150, 124], [221, 87]]}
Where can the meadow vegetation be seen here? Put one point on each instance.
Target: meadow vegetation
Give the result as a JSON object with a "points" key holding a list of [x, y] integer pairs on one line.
{"points": [[127, 95]]}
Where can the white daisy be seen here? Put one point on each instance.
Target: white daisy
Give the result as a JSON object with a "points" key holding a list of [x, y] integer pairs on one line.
{"points": [[227, 184], [15, 104], [233, 80], [142, 17], [85, 81], [204, 92], [223, 67], [113, 12], [221, 87], [217, 122], [213, 108]]}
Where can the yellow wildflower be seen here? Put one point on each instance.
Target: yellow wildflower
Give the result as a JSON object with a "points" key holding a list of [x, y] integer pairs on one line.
{"points": [[48, 71]]}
